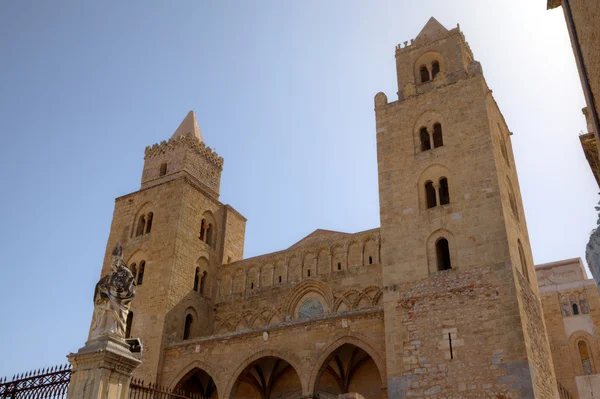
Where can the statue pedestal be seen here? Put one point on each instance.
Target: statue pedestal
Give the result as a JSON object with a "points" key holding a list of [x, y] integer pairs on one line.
{"points": [[101, 370]]}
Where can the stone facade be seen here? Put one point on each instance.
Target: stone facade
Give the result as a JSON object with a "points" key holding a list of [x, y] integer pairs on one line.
{"points": [[440, 302]]}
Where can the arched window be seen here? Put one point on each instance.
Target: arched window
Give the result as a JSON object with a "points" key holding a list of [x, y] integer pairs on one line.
{"points": [[187, 329], [140, 276], [442, 250], [203, 283], [430, 195], [128, 324], [575, 309], [511, 199], [149, 223], [435, 69], [140, 226], [202, 229], [308, 272], [425, 140], [163, 169], [438, 140], [196, 278], [424, 74], [524, 269], [133, 269], [252, 285], [370, 260], [584, 355], [444, 192], [339, 266], [209, 235], [280, 279]]}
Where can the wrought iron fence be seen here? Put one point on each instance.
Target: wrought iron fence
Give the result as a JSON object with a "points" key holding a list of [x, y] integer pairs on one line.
{"points": [[564, 394], [53, 383], [139, 390]]}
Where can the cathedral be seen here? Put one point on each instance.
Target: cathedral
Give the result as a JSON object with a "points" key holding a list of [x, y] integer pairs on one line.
{"points": [[441, 301]]}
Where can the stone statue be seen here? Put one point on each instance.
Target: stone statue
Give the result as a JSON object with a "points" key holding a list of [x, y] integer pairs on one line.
{"points": [[112, 297], [592, 250]]}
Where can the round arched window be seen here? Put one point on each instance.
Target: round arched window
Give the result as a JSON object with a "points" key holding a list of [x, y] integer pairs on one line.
{"points": [[310, 308]]}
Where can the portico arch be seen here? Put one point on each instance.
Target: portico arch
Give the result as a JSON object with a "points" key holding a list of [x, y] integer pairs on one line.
{"points": [[346, 344], [267, 360], [197, 379]]}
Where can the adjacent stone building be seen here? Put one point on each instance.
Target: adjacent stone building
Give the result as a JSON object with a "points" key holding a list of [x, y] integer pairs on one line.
{"points": [[441, 301], [572, 314]]}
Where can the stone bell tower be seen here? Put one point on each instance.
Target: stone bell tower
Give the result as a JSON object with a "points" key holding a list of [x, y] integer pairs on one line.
{"points": [[175, 234], [461, 301]]}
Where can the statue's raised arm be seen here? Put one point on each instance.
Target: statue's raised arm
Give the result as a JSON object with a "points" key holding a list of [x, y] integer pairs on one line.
{"points": [[112, 297]]}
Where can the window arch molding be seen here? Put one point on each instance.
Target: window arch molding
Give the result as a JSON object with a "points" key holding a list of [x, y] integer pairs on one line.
{"points": [[427, 60], [138, 262], [435, 174], [137, 229], [592, 346], [193, 329], [432, 249], [512, 200], [433, 125]]}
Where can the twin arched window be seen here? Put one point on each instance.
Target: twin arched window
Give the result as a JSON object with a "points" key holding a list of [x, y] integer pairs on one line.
{"points": [[144, 225], [138, 273], [207, 232], [427, 139], [128, 324], [433, 193], [199, 281], [429, 72]]}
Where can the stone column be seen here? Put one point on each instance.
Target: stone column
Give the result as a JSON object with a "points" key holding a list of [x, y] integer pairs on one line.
{"points": [[102, 370]]}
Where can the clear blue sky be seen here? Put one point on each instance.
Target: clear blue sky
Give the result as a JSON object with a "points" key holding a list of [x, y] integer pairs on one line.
{"points": [[283, 90]]}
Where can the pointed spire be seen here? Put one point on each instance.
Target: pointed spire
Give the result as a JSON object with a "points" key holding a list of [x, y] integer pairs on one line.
{"points": [[432, 28], [189, 126]]}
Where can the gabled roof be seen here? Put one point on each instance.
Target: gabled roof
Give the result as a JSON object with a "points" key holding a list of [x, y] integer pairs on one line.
{"points": [[319, 235], [189, 127], [432, 28]]}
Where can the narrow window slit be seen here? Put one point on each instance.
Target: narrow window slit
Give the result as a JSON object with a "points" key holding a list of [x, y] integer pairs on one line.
{"points": [[450, 342]]}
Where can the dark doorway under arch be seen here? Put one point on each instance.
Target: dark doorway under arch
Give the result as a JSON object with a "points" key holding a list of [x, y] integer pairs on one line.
{"points": [[197, 383], [267, 378], [349, 369]]}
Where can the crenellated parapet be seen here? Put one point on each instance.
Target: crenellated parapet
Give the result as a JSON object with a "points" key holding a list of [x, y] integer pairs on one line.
{"points": [[188, 141]]}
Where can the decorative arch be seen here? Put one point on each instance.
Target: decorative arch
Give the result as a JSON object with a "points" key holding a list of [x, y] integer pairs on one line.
{"points": [[512, 199], [309, 265], [371, 251], [354, 255], [295, 268], [433, 247], [300, 293], [338, 258], [239, 281], [435, 175], [280, 275], [190, 327], [252, 279], [290, 358], [266, 275], [427, 61], [324, 261], [337, 342], [226, 284]]}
